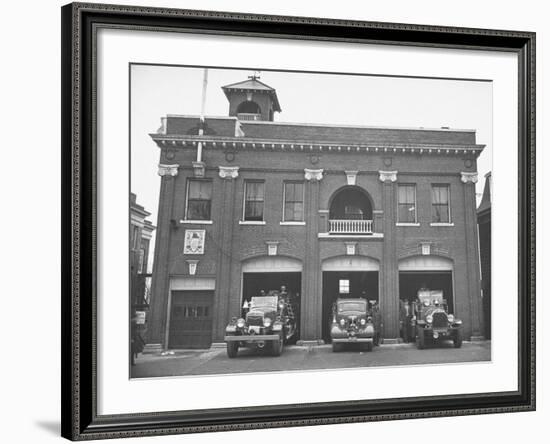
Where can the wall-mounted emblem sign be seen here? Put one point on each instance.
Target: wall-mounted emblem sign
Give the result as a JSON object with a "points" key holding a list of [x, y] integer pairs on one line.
{"points": [[140, 318], [194, 242]]}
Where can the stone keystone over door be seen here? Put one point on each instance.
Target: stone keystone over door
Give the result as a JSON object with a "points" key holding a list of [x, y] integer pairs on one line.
{"points": [[351, 176]]}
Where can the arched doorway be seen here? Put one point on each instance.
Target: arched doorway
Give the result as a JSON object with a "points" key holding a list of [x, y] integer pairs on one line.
{"points": [[350, 211], [347, 276], [267, 273], [429, 271], [426, 272]]}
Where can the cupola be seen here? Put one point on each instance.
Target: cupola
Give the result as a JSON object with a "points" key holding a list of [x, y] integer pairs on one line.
{"points": [[252, 100]]}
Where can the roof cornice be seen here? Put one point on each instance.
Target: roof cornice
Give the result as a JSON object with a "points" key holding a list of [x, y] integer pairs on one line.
{"points": [[244, 143]]}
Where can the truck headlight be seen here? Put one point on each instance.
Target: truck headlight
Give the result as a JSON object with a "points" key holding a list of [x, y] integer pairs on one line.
{"points": [[240, 322], [342, 322], [429, 319], [267, 322], [363, 322], [450, 318]]}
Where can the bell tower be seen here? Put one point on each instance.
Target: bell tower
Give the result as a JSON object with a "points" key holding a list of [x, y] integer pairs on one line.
{"points": [[252, 100]]}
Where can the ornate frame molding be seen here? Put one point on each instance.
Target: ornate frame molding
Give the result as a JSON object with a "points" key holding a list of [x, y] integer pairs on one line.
{"points": [[80, 22]]}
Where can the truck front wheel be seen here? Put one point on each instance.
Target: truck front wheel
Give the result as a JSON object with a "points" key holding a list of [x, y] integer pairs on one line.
{"points": [[457, 340], [232, 349], [277, 346]]}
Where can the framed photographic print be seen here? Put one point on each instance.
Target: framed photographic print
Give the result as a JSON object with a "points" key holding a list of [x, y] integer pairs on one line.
{"points": [[276, 221]]}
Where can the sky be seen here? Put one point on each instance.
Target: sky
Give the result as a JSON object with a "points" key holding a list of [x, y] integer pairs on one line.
{"points": [[304, 98]]}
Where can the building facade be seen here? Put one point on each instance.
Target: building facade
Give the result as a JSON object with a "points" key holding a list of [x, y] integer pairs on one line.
{"points": [[249, 204], [141, 233]]}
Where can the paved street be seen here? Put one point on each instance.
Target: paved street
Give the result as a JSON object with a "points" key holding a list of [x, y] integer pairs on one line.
{"points": [[215, 361]]}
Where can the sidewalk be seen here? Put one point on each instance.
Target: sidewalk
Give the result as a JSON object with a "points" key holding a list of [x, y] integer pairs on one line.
{"points": [[310, 357]]}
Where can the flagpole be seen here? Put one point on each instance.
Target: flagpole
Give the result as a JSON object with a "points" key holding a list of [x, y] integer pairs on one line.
{"points": [[203, 105]]}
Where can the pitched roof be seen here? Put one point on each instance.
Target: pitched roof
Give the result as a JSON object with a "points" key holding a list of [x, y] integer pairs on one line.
{"points": [[486, 198], [253, 84]]}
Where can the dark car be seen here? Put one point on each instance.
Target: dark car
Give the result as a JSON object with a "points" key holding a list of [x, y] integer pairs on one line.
{"points": [[353, 322], [269, 322], [433, 321]]}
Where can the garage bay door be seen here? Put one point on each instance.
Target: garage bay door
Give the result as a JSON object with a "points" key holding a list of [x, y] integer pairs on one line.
{"points": [[191, 319]]}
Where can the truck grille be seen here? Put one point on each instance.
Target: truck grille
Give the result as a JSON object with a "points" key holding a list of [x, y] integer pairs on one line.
{"points": [[439, 320], [255, 319]]}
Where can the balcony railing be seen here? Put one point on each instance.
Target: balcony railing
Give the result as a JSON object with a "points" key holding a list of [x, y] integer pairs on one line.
{"points": [[249, 116], [350, 226]]}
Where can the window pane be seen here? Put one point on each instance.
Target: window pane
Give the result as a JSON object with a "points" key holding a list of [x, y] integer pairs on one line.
{"points": [[406, 203], [294, 211], [253, 210], [343, 285], [406, 194], [254, 201], [406, 213], [254, 191], [440, 213], [440, 204], [200, 189], [198, 210], [294, 201], [440, 194], [198, 200], [298, 211], [289, 192]]}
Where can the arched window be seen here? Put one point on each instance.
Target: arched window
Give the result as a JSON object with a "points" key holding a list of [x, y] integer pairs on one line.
{"points": [[350, 212], [249, 107], [350, 203]]}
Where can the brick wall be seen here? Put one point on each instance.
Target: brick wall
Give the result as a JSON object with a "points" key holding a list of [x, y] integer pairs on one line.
{"points": [[228, 243]]}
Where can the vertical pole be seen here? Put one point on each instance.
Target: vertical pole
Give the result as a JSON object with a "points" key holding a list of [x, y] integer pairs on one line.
{"points": [[203, 105]]}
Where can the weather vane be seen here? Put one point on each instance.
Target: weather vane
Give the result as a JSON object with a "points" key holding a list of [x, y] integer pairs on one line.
{"points": [[255, 76]]}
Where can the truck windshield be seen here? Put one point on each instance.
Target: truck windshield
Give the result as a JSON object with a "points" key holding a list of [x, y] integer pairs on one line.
{"points": [[351, 306], [264, 302]]}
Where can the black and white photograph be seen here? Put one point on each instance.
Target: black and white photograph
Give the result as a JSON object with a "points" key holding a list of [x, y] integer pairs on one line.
{"points": [[300, 221], [284, 221], [275, 222]]}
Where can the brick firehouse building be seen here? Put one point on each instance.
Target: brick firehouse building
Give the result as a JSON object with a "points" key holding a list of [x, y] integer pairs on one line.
{"points": [[249, 204]]}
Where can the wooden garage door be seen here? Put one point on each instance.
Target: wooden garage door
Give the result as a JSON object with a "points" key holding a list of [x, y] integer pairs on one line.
{"points": [[191, 319]]}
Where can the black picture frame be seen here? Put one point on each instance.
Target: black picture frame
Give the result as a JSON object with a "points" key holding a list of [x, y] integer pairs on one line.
{"points": [[80, 420]]}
